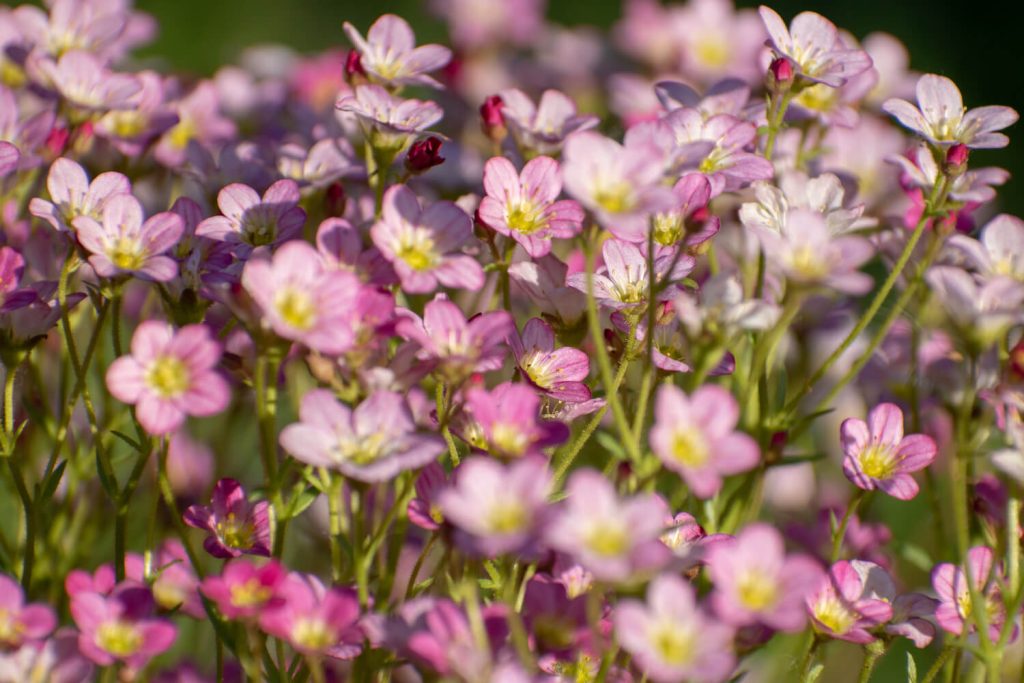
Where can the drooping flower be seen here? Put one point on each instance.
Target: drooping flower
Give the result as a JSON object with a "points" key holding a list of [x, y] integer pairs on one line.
{"points": [[953, 587], [120, 627], [523, 207], [842, 606], [253, 221], [559, 373], [695, 436], [122, 244], [388, 53], [941, 118], [814, 45], [756, 582], [498, 508], [373, 443], [878, 455], [235, 526], [507, 424], [243, 590], [169, 375], [542, 128], [303, 302], [315, 620], [423, 243], [389, 122], [72, 195], [623, 282], [670, 637], [615, 539], [21, 623]]}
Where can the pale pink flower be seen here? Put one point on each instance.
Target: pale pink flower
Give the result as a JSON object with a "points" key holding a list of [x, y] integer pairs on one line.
{"points": [[542, 128], [389, 54], [72, 195], [131, 130], [815, 47], [718, 41], [878, 455], [82, 80], [543, 281], [956, 605], [200, 122], [842, 606], [389, 122], [120, 627], [253, 221], [999, 251], [624, 281], [559, 373]]}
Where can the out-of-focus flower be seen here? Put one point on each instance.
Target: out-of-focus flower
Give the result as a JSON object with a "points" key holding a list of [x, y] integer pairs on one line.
{"points": [[476, 24], [953, 587], [542, 128], [120, 627], [72, 195], [131, 130], [389, 54], [169, 375], [21, 623], [235, 526], [1000, 249], [425, 508], [243, 590], [815, 46], [720, 310], [980, 311], [82, 80], [200, 122], [878, 455], [315, 620]]}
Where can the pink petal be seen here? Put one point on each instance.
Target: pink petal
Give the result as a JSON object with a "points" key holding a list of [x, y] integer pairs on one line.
{"points": [[541, 179], [235, 199], [939, 98], [916, 452], [391, 34], [125, 379], [886, 422]]}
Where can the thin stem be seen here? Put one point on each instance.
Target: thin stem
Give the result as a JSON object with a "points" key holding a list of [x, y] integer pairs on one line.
{"points": [[419, 565], [937, 665], [334, 511], [440, 396], [873, 652], [837, 540], [810, 649], [777, 114]]}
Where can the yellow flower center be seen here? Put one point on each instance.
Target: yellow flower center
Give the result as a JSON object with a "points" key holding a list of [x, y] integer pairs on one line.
{"points": [[296, 308], [363, 450], [756, 591], [877, 461], [236, 533], [312, 634], [668, 228], [554, 631], [507, 517], [525, 218], [832, 613], [675, 646], [127, 253], [713, 51], [119, 638], [808, 263], [182, 134], [168, 595], [11, 75], [249, 594], [689, 447], [10, 628], [509, 439], [416, 248], [609, 540], [127, 124], [168, 376], [818, 97], [615, 197]]}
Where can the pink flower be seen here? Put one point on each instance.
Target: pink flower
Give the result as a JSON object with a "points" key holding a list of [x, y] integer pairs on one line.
{"points": [[9, 158], [542, 128], [878, 455], [243, 590], [615, 539], [559, 373], [717, 41], [122, 244], [315, 620], [620, 184], [459, 347], [131, 130], [169, 375], [815, 47], [671, 638], [389, 122], [235, 526], [542, 280], [425, 509], [842, 606], [942, 119], [200, 121], [955, 603], [498, 509], [687, 221], [172, 578], [422, 243], [373, 443], [82, 80], [72, 195], [252, 221], [21, 623], [523, 207], [120, 628], [623, 283], [506, 421], [695, 436], [321, 164], [389, 54], [303, 302], [755, 582]]}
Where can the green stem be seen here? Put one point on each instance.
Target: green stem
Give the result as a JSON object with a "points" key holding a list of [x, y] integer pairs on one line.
{"points": [[419, 565], [334, 511], [515, 619], [115, 321], [776, 114], [939, 662], [837, 540], [440, 396], [873, 652], [810, 649], [268, 364]]}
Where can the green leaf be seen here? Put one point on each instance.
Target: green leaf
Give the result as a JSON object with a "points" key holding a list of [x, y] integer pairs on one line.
{"points": [[911, 669], [917, 556], [127, 439], [53, 481], [815, 673], [109, 486], [610, 443], [298, 503]]}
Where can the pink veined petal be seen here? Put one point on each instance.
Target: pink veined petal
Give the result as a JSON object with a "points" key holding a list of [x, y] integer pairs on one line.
{"points": [[900, 486], [416, 282], [811, 30], [572, 363], [776, 28], [886, 422], [391, 34], [623, 261], [945, 581], [90, 233], [427, 58], [916, 452], [122, 213], [150, 340], [235, 199], [501, 180], [89, 610], [158, 416], [462, 272], [537, 334], [218, 228], [671, 405], [990, 141], [979, 562], [107, 185], [284, 191], [536, 246], [541, 179], [400, 204], [451, 225], [907, 114], [311, 445], [939, 99], [569, 392], [990, 118], [382, 412], [159, 269], [492, 212], [66, 179], [162, 231]]}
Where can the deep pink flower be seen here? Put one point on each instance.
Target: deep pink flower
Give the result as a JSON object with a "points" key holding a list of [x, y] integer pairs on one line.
{"points": [[423, 243], [389, 54], [506, 422], [756, 582], [424, 155], [815, 46], [941, 118], [955, 603], [122, 244], [373, 443], [315, 620], [670, 637], [556, 621], [21, 623], [72, 195], [9, 158], [878, 455], [235, 526], [842, 606], [119, 627], [243, 589], [255, 221], [169, 375], [559, 373], [695, 436]]}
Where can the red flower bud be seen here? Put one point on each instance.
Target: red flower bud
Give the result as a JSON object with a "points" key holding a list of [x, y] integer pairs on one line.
{"points": [[956, 160], [424, 155], [335, 199], [354, 66], [492, 121], [780, 74]]}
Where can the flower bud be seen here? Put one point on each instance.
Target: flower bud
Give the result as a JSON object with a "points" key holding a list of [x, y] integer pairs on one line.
{"points": [[335, 199], [1017, 362], [492, 121], [780, 75], [956, 160], [423, 155], [354, 71]]}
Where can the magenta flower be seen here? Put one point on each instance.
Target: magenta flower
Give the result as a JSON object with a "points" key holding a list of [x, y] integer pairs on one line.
{"points": [[557, 622], [243, 590], [122, 244], [301, 301], [624, 282], [235, 526], [558, 373], [422, 243], [389, 122], [497, 508], [755, 582], [21, 623], [695, 436], [615, 539], [842, 608], [878, 455], [814, 46], [373, 443], [955, 603], [171, 577], [255, 221], [169, 375], [941, 118], [687, 221], [458, 347], [507, 421], [620, 184], [315, 620], [389, 54], [119, 627], [523, 207], [72, 195], [670, 637], [542, 128], [82, 80]]}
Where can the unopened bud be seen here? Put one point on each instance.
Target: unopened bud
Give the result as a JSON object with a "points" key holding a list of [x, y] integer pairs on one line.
{"points": [[335, 199], [424, 155], [956, 160], [1017, 361], [492, 121], [354, 71], [780, 74], [56, 141]]}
